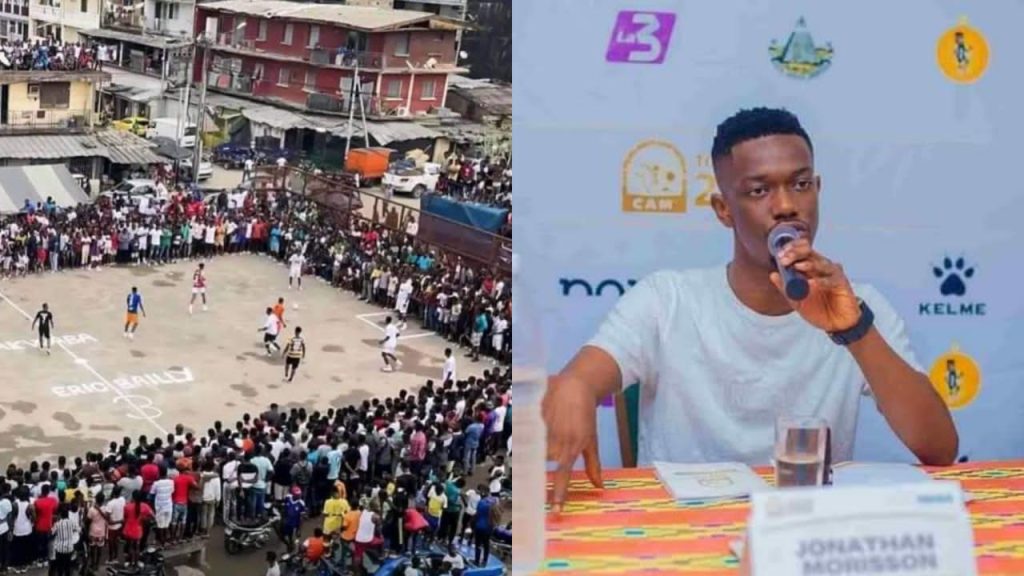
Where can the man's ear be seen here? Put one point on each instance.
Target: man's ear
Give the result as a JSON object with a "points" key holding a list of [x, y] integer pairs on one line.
{"points": [[721, 209]]}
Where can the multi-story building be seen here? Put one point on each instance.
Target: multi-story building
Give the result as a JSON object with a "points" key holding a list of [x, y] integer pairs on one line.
{"points": [[63, 20], [13, 19], [33, 100], [315, 57], [147, 45], [50, 116]]}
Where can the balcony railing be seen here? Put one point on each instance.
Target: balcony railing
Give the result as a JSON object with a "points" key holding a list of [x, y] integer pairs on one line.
{"points": [[337, 57], [56, 120], [315, 100], [130, 19]]}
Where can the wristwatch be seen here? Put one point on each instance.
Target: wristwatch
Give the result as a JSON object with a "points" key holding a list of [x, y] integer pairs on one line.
{"points": [[858, 330]]}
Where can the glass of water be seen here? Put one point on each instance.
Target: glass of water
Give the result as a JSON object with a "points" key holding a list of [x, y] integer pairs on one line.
{"points": [[800, 446]]}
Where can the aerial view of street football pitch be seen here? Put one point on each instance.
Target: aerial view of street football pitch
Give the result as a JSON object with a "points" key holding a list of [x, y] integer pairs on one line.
{"points": [[97, 386]]}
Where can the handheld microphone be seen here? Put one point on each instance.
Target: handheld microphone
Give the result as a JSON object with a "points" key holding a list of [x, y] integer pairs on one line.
{"points": [[795, 285]]}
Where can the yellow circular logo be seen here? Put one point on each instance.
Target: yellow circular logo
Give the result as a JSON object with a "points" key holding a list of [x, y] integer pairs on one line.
{"points": [[962, 53], [654, 178], [956, 377]]}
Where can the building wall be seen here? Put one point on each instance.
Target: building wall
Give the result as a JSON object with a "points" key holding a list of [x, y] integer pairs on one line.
{"points": [[181, 24], [14, 19], [423, 44], [22, 109], [70, 16]]}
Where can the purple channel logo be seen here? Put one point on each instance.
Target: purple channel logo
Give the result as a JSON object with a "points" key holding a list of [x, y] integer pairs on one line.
{"points": [[641, 37]]}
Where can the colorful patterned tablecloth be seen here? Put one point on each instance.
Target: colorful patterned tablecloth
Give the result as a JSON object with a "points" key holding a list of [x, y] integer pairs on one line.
{"points": [[633, 527]]}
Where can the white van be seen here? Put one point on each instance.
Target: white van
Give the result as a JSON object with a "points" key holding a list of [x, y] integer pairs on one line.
{"points": [[168, 128]]}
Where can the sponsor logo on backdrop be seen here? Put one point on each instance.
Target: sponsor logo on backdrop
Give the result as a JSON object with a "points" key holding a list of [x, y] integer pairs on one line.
{"points": [[953, 276], [640, 37], [581, 287], [799, 56], [655, 178], [962, 53], [956, 377]]}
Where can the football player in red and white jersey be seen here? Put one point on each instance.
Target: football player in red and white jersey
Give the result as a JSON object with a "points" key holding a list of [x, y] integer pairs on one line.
{"points": [[198, 287]]}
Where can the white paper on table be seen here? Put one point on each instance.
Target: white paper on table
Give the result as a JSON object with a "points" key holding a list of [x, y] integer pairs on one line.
{"points": [[709, 481], [877, 474]]}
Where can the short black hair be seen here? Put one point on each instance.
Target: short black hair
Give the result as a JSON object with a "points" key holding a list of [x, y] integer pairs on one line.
{"points": [[755, 123]]}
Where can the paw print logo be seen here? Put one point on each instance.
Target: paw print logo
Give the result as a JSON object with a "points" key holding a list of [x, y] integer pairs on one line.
{"points": [[952, 273]]}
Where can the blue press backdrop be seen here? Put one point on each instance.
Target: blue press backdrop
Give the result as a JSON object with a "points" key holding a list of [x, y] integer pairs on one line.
{"points": [[919, 155]]}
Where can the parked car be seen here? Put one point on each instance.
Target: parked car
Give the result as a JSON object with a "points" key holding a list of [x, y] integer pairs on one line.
{"points": [[205, 169], [231, 155], [414, 181], [137, 125], [132, 190]]}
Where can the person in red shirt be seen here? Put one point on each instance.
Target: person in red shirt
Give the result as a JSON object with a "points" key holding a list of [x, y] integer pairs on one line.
{"points": [[182, 483], [315, 547], [150, 473], [136, 513], [45, 506]]}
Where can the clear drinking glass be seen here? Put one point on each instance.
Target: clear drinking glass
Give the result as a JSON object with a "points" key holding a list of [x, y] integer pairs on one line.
{"points": [[800, 445]]}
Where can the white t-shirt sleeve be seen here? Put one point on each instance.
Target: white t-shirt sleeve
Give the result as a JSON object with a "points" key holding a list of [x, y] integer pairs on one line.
{"points": [[630, 331]]}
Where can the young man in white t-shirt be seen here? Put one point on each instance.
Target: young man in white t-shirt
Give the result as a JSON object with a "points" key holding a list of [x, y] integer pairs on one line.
{"points": [[295, 264], [720, 353], [389, 346], [448, 373]]}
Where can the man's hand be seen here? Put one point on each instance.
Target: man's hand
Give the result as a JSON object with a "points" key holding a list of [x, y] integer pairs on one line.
{"points": [[831, 304], [570, 413]]}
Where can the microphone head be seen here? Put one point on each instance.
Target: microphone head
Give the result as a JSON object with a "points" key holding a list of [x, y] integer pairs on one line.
{"points": [[780, 236]]}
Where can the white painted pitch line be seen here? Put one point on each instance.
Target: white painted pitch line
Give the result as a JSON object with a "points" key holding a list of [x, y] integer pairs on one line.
{"points": [[364, 318], [142, 414]]}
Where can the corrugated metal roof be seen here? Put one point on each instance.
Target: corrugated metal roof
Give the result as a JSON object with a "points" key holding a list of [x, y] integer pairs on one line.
{"points": [[386, 132], [134, 86], [361, 17], [117, 146], [36, 183], [284, 119], [152, 40]]}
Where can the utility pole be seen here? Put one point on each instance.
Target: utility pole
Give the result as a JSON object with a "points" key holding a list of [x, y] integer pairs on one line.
{"points": [[354, 93], [357, 94], [197, 154]]}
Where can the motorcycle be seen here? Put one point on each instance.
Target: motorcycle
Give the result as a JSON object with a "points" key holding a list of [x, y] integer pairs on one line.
{"points": [[152, 565], [238, 537]]}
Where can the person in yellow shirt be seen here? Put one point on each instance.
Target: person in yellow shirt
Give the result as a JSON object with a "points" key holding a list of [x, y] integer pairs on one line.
{"points": [[437, 501], [335, 509]]}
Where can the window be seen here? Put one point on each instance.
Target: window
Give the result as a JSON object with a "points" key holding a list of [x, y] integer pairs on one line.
{"points": [[310, 79], [284, 77], [394, 89], [356, 41], [427, 89], [166, 11], [402, 44], [84, 7], [257, 71], [288, 31], [54, 95], [314, 36], [261, 31]]}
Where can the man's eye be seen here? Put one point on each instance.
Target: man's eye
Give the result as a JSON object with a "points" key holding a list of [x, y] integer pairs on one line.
{"points": [[802, 185], [758, 192]]}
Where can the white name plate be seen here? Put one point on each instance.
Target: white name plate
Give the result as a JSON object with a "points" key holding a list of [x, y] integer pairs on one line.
{"points": [[898, 530]]}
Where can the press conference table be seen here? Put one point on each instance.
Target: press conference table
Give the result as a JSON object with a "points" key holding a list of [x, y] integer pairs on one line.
{"points": [[633, 527]]}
